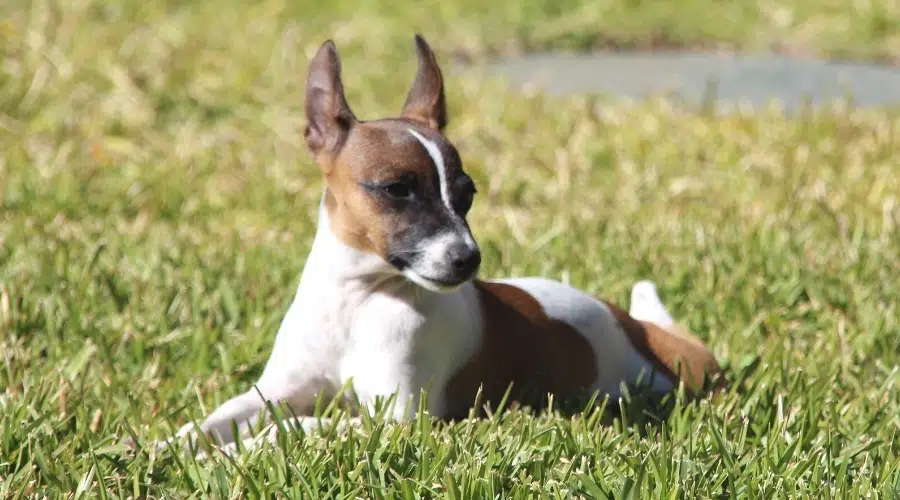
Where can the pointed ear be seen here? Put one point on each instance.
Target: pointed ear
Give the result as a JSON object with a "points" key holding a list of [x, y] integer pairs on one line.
{"points": [[425, 102], [328, 117]]}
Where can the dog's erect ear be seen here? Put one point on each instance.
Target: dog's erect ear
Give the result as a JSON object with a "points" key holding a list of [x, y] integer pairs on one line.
{"points": [[328, 117], [425, 102]]}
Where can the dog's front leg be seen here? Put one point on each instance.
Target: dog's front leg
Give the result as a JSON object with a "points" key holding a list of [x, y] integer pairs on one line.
{"points": [[309, 424], [373, 379], [243, 411], [304, 424]]}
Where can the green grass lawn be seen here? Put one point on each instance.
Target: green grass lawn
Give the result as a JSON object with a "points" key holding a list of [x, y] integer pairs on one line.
{"points": [[157, 203]]}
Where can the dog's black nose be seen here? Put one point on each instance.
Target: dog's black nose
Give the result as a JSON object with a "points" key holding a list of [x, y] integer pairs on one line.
{"points": [[465, 258]]}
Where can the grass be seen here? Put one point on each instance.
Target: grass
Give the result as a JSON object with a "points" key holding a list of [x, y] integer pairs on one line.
{"points": [[157, 204]]}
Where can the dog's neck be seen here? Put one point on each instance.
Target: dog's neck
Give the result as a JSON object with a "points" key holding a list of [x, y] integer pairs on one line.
{"points": [[335, 268]]}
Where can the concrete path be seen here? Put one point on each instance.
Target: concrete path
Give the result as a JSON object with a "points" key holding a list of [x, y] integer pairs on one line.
{"points": [[756, 80]]}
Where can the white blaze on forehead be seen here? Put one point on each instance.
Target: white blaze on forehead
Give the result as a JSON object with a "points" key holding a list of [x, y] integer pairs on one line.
{"points": [[435, 153]]}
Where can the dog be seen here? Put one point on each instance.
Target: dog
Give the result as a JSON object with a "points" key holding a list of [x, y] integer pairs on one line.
{"points": [[389, 303]]}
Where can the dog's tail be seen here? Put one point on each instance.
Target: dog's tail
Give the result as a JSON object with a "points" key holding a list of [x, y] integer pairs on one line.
{"points": [[671, 345], [646, 305]]}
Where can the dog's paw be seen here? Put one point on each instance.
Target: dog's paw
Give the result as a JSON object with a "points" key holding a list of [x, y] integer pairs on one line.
{"points": [[189, 440], [185, 439]]}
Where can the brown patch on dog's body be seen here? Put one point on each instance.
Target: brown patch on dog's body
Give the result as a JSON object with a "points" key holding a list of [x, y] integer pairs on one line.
{"points": [[675, 352], [524, 347], [521, 346]]}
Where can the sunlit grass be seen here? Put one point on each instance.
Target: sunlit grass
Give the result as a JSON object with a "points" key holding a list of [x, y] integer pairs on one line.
{"points": [[157, 204]]}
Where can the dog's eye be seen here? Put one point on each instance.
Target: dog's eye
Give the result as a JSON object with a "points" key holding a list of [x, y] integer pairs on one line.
{"points": [[398, 190], [465, 201]]}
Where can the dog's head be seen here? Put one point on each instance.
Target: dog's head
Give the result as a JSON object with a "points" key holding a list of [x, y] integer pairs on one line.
{"points": [[395, 187]]}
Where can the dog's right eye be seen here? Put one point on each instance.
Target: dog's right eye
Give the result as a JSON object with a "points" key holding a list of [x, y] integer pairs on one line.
{"points": [[398, 190]]}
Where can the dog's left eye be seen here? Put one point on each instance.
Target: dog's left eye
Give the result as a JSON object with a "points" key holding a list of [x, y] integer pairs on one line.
{"points": [[398, 190], [465, 201]]}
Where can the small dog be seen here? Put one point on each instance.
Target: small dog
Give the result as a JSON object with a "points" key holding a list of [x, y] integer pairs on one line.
{"points": [[388, 301]]}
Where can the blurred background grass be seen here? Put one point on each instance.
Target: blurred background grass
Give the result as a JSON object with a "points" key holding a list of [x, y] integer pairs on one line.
{"points": [[157, 203]]}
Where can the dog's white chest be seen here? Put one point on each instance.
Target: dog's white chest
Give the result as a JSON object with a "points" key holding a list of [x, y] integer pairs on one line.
{"points": [[383, 337], [403, 345]]}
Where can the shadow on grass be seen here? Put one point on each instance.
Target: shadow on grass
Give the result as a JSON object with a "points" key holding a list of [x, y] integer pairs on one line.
{"points": [[638, 406]]}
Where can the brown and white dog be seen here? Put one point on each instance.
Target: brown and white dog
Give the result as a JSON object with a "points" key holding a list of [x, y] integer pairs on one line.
{"points": [[388, 302]]}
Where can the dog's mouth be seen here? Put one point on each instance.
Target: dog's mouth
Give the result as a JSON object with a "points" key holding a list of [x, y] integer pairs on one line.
{"points": [[437, 276], [434, 284], [398, 262]]}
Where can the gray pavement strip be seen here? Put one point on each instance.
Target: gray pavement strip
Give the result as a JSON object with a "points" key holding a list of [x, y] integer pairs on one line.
{"points": [[694, 78]]}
